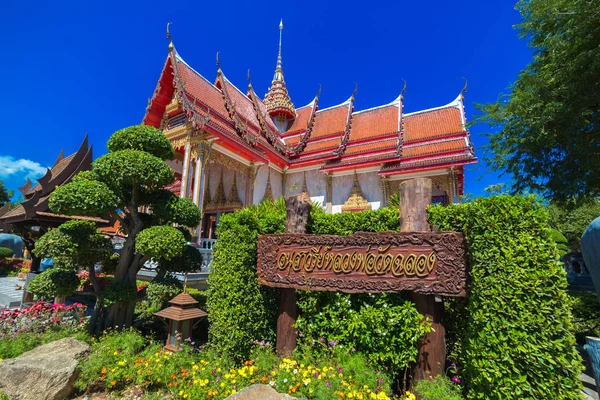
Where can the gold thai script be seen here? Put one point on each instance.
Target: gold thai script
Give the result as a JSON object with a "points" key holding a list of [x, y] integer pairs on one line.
{"points": [[372, 262]]}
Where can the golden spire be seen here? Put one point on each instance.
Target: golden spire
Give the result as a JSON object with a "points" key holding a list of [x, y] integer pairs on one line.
{"points": [[277, 100]]}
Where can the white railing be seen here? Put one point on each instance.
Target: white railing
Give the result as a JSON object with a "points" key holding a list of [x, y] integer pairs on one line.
{"points": [[206, 250]]}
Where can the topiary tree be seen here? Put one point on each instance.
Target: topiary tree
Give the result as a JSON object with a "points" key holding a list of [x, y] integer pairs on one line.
{"points": [[561, 242], [72, 246], [5, 252], [55, 282], [130, 178]]}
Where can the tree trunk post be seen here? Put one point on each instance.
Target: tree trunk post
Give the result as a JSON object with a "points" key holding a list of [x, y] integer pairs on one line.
{"points": [[415, 196], [297, 210]]}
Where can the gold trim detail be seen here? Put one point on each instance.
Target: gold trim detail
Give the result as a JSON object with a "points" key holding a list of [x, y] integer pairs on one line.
{"points": [[268, 190], [356, 200]]}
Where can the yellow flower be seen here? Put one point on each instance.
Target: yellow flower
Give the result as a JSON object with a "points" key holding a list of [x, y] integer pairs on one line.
{"points": [[195, 367], [115, 353], [181, 392], [121, 363]]}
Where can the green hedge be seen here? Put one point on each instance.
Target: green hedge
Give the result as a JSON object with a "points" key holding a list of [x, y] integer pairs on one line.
{"points": [[5, 252], [516, 328], [241, 311]]}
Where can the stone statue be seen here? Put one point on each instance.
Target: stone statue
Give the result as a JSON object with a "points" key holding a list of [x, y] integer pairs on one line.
{"points": [[13, 242]]}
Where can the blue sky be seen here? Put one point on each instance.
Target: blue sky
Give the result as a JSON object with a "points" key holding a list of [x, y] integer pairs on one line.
{"points": [[71, 68]]}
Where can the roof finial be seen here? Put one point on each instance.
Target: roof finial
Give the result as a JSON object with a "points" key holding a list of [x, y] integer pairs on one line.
{"points": [[404, 88], [218, 64], [171, 46], [249, 81], [464, 89], [319, 92], [355, 91], [279, 67]]}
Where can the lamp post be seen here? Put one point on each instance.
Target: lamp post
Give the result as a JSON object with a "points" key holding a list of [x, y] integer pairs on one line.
{"points": [[180, 315]]}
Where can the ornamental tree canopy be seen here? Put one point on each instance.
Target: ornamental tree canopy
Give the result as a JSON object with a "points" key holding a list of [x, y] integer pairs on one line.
{"points": [[128, 179], [546, 131]]}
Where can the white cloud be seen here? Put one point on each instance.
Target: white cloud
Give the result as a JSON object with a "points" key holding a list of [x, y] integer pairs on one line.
{"points": [[9, 167]]}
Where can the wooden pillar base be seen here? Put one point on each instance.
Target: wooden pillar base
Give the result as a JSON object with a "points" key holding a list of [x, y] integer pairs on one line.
{"points": [[432, 348], [288, 313]]}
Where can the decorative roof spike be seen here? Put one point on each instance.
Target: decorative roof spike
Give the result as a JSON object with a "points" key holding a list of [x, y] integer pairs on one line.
{"points": [[249, 81], [219, 71], [356, 200], [277, 100], [403, 89], [464, 89], [170, 38], [233, 201]]}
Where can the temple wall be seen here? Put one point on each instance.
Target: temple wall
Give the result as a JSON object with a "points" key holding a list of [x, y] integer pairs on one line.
{"points": [[260, 184], [315, 183], [175, 165], [213, 175], [369, 183]]}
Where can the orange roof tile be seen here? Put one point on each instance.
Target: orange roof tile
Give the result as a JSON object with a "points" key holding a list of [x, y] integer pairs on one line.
{"points": [[387, 144], [431, 124], [243, 105], [302, 118], [204, 91], [330, 121], [332, 144], [434, 148], [374, 122]]}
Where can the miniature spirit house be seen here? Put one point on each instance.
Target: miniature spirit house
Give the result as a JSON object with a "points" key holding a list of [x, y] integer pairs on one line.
{"points": [[180, 316]]}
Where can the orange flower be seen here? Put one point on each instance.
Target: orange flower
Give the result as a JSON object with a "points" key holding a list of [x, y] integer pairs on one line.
{"points": [[264, 379], [113, 383], [103, 371]]}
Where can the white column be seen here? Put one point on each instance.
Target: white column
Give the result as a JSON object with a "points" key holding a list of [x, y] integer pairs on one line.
{"points": [[185, 172], [203, 153]]}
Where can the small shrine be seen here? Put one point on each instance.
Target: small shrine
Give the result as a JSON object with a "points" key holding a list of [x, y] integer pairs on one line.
{"points": [[356, 201], [180, 315]]}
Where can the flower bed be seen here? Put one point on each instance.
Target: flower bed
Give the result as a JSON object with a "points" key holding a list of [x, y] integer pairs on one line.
{"points": [[122, 360], [39, 317]]}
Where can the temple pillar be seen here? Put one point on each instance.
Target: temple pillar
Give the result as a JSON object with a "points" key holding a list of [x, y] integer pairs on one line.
{"points": [[185, 173], [328, 192], [283, 182]]}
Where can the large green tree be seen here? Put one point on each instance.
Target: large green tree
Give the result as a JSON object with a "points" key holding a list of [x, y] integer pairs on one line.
{"points": [[130, 179], [5, 194], [573, 219], [546, 131]]}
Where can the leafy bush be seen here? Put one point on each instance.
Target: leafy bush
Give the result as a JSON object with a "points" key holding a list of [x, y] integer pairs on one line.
{"points": [[561, 242], [438, 388], [5, 252], [384, 326], [158, 293], [517, 327], [241, 311], [586, 315], [54, 282]]}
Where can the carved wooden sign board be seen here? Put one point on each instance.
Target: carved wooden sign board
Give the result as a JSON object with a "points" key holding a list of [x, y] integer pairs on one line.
{"points": [[426, 263]]}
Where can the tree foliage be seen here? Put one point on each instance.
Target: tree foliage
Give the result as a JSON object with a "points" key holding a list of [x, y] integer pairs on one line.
{"points": [[546, 131], [129, 179], [5, 194], [572, 220]]}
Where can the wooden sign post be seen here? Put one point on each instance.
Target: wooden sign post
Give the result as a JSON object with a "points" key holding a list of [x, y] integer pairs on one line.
{"points": [[415, 197], [297, 210], [427, 264]]}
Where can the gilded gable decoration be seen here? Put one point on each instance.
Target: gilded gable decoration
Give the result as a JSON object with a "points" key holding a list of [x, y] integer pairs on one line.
{"points": [[233, 201], [356, 200]]}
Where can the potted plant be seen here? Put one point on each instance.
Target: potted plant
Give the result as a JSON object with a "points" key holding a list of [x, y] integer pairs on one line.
{"points": [[23, 271]]}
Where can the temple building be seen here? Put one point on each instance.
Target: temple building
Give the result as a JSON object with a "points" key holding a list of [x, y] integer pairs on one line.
{"points": [[235, 148]]}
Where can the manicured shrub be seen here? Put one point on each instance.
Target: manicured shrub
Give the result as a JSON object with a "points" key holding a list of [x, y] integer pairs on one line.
{"points": [[586, 315], [54, 282], [517, 326], [5, 252], [240, 311], [158, 294], [561, 242]]}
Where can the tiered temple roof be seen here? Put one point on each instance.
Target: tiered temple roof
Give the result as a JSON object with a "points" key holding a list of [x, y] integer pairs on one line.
{"points": [[34, 207], [337, 138]]}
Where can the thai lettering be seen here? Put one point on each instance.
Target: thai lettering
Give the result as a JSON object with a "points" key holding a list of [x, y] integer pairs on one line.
{"points": [[372, 262]]}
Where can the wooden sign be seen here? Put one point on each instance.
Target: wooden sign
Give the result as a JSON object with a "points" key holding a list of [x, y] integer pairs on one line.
{"points": [[426, 263]]}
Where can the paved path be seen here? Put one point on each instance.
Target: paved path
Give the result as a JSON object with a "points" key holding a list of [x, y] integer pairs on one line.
{"points": [[9, 295]]}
